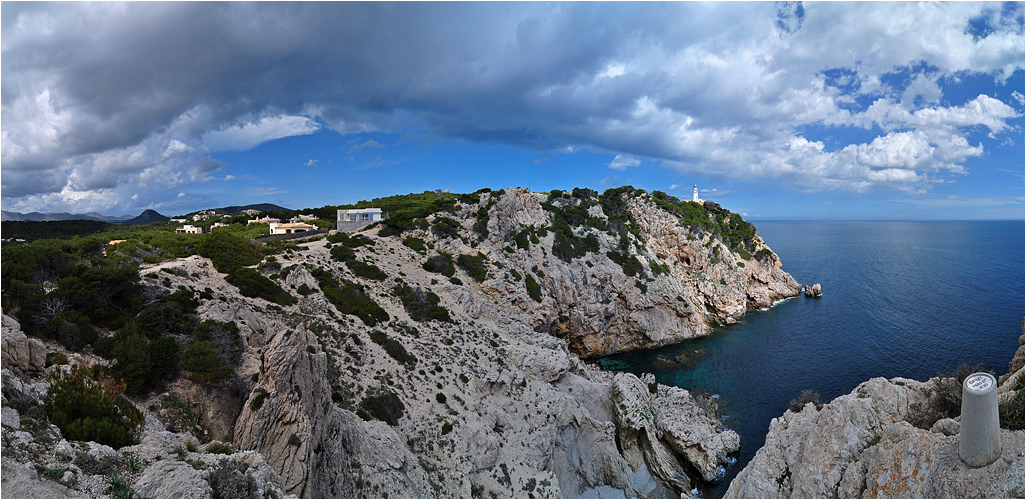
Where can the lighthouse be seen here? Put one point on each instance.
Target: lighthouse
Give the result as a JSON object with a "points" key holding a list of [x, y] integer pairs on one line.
{"points": [[694, 196]]}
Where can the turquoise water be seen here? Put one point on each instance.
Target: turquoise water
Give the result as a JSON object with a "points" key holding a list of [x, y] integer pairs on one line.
{"points": [[908, 299]]}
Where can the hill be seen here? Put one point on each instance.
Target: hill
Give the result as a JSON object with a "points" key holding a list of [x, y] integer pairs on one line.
{"points": [[146, 217], [263, 207], [55, 216]]}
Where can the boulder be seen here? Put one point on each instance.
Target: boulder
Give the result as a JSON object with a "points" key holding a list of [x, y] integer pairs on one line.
{"points": [[172, 479], [813, 290], [20, 353]]}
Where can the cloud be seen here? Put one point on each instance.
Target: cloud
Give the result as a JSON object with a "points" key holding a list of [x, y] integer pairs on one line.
{"points": [[95, 108], [608, 180], [369, 144], [249, 135], [312, 163], [621, 162]]}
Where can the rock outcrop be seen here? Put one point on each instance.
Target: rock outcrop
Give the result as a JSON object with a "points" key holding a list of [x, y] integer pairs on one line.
{"points": [[813, 290], [861, 446], [20, 354], [495, 402]]}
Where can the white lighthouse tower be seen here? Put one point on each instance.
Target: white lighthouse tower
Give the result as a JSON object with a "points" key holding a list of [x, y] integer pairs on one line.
{"points": [[694, 196]]}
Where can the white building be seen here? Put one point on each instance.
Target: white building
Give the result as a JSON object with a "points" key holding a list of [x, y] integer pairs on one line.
{"points": [[291, 228], [302, 217], [694, 196], [265, 220], [189, 229], [355, 218]]}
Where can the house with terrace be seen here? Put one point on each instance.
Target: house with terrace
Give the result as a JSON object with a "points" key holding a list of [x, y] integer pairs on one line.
{"points": [[355, 218]]}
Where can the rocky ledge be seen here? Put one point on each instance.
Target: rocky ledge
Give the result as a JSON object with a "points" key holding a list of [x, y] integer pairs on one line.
{"points": [[862, 445]]}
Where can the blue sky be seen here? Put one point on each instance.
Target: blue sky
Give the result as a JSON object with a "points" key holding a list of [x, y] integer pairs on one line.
{"points": [[776, 110]]}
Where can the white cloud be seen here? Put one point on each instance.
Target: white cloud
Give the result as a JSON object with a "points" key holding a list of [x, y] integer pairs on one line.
{"points": [[246, 136], [608, 180], [369, 144], [621, 162], [312, 163]]}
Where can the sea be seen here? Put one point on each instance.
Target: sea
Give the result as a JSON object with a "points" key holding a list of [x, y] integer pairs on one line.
{"points": [[900, 299]]}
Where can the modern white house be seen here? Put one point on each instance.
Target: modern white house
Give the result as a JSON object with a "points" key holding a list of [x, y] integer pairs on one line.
{"points": [[355, 218], [265, 220], [189, 229], [291, 228], [302, 217]]}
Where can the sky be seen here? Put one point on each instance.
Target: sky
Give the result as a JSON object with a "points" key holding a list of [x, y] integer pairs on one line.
{"points": [[783, 110]]}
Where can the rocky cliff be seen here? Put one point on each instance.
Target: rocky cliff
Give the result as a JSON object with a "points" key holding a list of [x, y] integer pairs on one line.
{"points": [[862, 445], [489, 397]]}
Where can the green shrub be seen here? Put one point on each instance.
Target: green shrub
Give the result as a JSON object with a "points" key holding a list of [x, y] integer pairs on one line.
{"points": [[349, 298], [104, 347], [253, 284], [629, 263], [386, 407], [219, 448], [134, 364], [227, 481], [441, 264], [440, 398], [304, 290], [365, 270], [446, 428], [342, 253], [258, 400], [394, 349], [416, 244], [228, 251], [807, 396], [167, 318], [1011, 412], [474, 265], [201, 359], [455, 281], [445, 227], [87, 405], [56, 358], [533, 288], [420, 305]]}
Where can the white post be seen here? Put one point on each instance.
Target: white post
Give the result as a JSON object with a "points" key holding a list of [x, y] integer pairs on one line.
{"points": [[979, 437]]}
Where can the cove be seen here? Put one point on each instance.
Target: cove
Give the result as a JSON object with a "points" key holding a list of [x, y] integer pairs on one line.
{"points": [[909, 299]]}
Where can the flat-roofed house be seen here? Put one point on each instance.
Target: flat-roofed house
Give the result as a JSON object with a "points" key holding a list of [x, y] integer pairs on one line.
{"points": [[189, 229], [265, 220], [291, 228], [355, 218]]}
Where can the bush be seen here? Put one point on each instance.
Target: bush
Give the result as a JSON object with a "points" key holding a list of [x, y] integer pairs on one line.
{"points": [[807, 396], [258, 400], [350, 298], [421, 306], [394, 349], [474, 265], [365, 270], [304, 290], [87, 405], [416, 244], [441, 264], [445, 227], [533, 288], [1011, 412], [386, 407], [440, 398], [253, 284], [134, 364], [446, 428], [204, 363], [629, 263], [227, 481]]}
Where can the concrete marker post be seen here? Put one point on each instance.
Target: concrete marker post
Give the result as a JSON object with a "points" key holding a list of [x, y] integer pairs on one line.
{"points": [[979, 437]]}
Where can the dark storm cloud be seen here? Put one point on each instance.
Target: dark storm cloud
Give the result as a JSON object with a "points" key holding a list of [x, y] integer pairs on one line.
{"points": [[110, 96]]}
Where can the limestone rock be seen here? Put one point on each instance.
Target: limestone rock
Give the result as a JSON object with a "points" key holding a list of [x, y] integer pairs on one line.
{"points": [[172, 479], [22, 481], [860, 446], [813, 290], [20, 353]]}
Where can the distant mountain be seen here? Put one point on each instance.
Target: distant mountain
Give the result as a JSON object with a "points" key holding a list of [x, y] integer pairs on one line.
{"points": [[263, 207], [146, 217], [36, 216]]}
